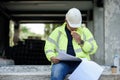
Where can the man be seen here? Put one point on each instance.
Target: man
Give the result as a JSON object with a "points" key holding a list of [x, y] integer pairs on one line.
{"points": [[71, 38]]}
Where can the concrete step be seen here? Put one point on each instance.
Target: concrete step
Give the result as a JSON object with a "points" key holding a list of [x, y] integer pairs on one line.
{"points": [[40, 72], [25, 72]]}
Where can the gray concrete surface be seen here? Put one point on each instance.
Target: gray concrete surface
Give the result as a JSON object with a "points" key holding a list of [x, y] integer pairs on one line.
{"points": [[111, 29], [37, 72]]}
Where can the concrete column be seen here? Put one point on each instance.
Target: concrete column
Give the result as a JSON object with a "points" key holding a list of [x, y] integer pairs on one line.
{"points": [[90, 26], [112, 29], [99, 57]]}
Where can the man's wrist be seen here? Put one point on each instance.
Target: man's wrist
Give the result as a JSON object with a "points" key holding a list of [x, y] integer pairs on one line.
{"points": [[81, 42]]}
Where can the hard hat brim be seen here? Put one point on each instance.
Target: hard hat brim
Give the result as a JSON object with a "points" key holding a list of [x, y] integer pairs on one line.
{"points": [[74, 25]]}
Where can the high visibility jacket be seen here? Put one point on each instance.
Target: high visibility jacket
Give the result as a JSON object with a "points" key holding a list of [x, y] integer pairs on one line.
{"points": [[57, 42]]}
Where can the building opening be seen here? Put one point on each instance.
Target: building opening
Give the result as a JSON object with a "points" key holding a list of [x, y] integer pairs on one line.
{"points": [[27, 47]]}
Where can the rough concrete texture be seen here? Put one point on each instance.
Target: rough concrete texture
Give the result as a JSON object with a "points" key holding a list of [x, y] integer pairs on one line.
{"points": [[112, 29], [38, 72]]}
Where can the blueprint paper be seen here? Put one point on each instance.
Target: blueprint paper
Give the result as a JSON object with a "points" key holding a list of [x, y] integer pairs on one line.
{"points": [[67, 57], [87, 70]]}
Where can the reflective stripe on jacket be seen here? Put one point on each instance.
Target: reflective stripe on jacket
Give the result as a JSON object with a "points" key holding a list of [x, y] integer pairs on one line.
{"points": [[57, 43]]}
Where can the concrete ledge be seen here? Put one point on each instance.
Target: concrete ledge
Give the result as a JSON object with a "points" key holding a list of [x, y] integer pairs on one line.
{"points": [[24, 77], [25, 72], [45, 76], [37, 72]]}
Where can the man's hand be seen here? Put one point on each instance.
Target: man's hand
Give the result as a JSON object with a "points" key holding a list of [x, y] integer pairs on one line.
{"points": [[54, 60], [76, 36]]}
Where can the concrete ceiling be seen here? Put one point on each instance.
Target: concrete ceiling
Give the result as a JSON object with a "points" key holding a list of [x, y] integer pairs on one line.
{"points": [[44, 10], [48, 5]]}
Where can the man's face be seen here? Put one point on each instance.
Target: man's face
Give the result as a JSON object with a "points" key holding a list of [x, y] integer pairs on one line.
{"points": [[72, 29]]}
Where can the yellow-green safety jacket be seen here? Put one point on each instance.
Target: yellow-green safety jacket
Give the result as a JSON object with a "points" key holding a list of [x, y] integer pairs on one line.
{"points": [[57, 43]]}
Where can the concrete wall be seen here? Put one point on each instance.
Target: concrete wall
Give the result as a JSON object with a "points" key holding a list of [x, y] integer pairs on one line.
{"points": [[106, 31], [112, 29], [99, 34]]}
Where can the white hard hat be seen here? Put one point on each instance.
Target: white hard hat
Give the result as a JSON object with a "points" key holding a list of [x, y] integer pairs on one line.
{"points": [[74, 18]]}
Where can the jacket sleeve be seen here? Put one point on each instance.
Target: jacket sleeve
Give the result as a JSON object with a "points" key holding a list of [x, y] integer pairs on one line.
{"points": [[50, 45], [90, 46]]}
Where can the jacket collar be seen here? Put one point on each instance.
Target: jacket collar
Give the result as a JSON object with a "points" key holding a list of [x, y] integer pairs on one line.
{"points": [[62, 28]]}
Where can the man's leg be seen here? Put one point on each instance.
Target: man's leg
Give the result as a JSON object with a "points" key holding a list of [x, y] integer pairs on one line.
{"points": [[59, 71]]}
